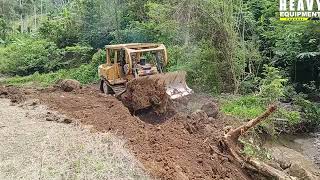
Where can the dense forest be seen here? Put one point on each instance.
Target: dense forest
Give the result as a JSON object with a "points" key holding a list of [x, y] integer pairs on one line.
{"points": [[236, 47]]}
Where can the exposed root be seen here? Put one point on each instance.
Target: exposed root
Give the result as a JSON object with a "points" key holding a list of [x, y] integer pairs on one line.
{"points": [[230, 141]]}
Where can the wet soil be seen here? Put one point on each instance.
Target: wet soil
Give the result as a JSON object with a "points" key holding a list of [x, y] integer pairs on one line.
{"points": [[306, 144]]}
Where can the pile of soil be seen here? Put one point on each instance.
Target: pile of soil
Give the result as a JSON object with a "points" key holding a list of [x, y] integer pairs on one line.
{"points": [[146, 92], [68, 85], [183, 146], [12, 93]]}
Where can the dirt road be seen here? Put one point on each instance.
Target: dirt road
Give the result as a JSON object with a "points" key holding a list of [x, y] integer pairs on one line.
{"points": [[33, 148]]}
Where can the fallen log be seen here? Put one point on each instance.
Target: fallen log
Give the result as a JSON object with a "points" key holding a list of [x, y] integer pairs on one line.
{"points": [[230, 143]]}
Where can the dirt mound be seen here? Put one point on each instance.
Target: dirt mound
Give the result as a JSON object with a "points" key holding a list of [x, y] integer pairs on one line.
{"points": [[146, 92], [211, 109], [182, 147], [68, 85], [13, 93]]}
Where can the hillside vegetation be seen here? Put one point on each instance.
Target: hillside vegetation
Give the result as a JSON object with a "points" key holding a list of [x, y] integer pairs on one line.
{"points": [[234, 47]]}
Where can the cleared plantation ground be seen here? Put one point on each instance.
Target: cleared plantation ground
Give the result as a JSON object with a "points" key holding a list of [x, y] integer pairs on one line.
{"points": [[33, 148]]}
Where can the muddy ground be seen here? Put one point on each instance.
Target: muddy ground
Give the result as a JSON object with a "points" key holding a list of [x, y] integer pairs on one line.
{"points": [[177, 146]]}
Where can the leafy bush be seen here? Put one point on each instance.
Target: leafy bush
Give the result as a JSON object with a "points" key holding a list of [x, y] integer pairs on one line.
{"points": [[26, 56], [98, 58], [76, 55], [291, 116], [272, 85], [200, 64], [85, 73], [310, 112], [250, 85], [61, 30]]}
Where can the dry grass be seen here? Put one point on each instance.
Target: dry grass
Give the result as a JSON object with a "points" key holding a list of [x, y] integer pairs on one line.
{"points": [[32, 148]]}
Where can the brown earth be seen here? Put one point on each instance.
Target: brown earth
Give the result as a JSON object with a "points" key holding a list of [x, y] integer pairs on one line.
{"points": [[12, 93], [180, 146], [146, 92]]}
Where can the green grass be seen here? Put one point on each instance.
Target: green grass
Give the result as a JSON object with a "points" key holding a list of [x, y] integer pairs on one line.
{"points": [[248, 107], [251, 106], [84, 74], [244, 107]]}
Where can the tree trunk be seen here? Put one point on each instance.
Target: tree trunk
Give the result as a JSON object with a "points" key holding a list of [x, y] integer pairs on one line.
{"points": [[35, 15], [21, 17], [41, 8]]}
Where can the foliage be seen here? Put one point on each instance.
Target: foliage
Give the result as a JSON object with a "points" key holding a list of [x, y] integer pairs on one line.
{"points": [[98, 58], [291, 116], [4, 28], [272, 85], [190, 28], [245, 107], [272, 90], [312, 89], [251, 149], [200, 64], [74, 56], [290, 46], [84, 74], [250, 106], [97, 20], [310, 112], [26, 56], [63, 30], [250, 85]]}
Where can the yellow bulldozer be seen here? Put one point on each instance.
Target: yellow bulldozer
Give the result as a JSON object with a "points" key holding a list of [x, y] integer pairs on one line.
{"points": [[135, 62]]}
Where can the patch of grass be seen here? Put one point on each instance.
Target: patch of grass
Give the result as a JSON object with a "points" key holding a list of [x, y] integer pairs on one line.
{"points": [[84, 74], [249, 107], [244, 107]]}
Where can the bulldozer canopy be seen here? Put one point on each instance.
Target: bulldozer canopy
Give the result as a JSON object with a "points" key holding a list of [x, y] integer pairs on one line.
{"points": [[137, 48], [133, 46]]}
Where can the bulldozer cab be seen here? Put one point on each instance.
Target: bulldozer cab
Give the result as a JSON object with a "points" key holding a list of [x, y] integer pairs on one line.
{"points": [[125, 62]]}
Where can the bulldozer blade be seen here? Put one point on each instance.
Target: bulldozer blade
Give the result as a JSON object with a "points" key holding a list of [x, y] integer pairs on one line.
{"points": [[175, 84]]}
